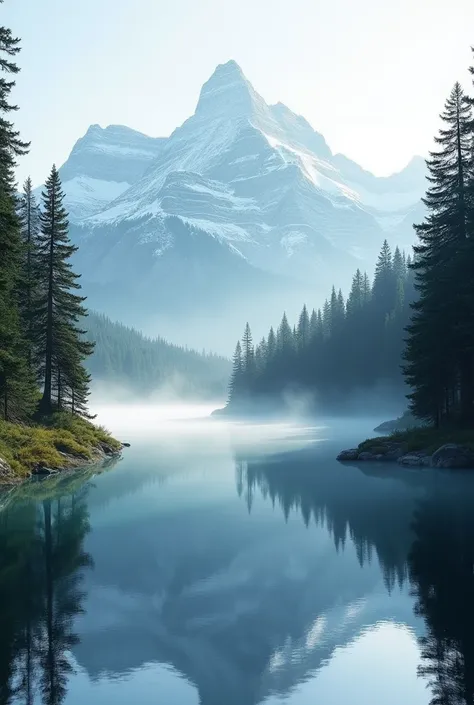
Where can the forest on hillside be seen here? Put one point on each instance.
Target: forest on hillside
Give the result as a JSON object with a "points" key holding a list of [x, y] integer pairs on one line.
{"points": [[128, 361]]}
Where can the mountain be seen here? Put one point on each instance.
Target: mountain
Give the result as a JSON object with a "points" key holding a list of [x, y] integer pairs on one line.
{"points": [[242, 201]]}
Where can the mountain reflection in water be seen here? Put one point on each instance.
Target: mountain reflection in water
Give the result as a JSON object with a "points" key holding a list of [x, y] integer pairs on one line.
{"points": [[239, 571]]}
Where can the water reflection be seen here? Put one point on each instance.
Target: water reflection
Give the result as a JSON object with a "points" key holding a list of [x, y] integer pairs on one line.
{"points": [[41, 567], [245, 578], [442, 571], [420, 527]]}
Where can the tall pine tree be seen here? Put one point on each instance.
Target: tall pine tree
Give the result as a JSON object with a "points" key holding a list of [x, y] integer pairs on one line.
{"points": [[236, 380], [16, 387], [59, 341], [439, 353], [30, 225]]}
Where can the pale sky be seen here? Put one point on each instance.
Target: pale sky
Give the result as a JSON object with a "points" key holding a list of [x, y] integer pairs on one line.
{"points": [[370, 75]]}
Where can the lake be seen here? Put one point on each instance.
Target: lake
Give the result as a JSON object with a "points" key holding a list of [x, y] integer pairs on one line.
{"points": [[234, 564]]}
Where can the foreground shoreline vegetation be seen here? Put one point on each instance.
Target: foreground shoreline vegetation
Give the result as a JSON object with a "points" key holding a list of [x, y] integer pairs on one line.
{"points": [[45, 425]]}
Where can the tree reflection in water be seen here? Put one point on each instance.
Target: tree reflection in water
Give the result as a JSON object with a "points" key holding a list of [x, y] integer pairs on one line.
{"points": [[41, 569]]}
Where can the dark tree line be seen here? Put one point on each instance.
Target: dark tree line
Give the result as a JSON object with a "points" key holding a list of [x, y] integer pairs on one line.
{"points": [[347, 345], [123, 356], [42, 345]]}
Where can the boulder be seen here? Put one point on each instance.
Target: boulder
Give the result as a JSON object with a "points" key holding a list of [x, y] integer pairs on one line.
{"points": [[125, 445], [107, 449], [43, 470], [350, 454], [5, 469], [393, 454], [412, 460], [453, 456], [366, 455]]}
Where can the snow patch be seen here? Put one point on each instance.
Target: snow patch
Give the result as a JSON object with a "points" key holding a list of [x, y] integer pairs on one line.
{"points": [[292, 241], [117, 150], [247, 158], [221, 231]]}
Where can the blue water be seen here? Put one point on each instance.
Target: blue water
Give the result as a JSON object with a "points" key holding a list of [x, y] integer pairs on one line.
{"points": [[229, 564]]}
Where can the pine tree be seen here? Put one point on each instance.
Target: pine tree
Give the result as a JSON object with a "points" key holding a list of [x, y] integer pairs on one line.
{"points": [[303, 329], [383, 289], [271, 345], [366, 288], [399, 265], [355, 300], [313, 324], [327, 320], [235, 385], [440, 342], [30, 224], [260, 357], [59, 341], [248, 354], [16, 387], [284, 337]]}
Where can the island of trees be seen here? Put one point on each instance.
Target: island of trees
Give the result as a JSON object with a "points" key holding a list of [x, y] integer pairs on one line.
{"points": [[44, 384], [412, 326]]}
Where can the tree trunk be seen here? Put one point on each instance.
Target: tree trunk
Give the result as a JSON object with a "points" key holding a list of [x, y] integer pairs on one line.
{"points": [[467, 386], [46, 403], [59, 390], [28, 278], [5, 400]]}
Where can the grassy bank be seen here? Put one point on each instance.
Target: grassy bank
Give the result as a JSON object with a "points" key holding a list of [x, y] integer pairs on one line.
{"points": [[65, 441], [420, 439]]}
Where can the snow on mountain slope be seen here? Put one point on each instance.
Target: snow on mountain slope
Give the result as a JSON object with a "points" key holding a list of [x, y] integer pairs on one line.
{"points": [[236, 139], [104, 164], [255, 179]]}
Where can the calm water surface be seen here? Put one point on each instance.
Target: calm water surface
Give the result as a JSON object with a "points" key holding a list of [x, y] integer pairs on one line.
{"points": [[234, 565]]}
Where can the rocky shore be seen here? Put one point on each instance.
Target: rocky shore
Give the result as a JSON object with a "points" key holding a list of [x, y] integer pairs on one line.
{"points": [[447, 455]]}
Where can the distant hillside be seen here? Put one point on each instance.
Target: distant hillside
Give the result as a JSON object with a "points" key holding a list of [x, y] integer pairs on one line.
{"points": [[126, 359]]}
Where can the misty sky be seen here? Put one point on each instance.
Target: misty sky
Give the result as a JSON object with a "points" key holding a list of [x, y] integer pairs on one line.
{"points": [[370, 75]]}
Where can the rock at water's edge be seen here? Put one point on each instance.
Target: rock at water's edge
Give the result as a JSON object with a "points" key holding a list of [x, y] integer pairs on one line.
{"points": [[350, 454], [414, 460], [453, 456], [43, 470], [5, 469]]}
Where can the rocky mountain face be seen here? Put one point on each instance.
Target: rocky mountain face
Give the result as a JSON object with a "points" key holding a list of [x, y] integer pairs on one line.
{"points": [[104, 164], [241, 203]]}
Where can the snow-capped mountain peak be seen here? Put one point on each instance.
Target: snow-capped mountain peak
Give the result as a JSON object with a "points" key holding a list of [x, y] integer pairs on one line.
{"points": [[228, 94]]}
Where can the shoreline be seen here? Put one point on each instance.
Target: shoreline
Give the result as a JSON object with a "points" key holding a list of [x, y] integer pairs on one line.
{"points": [[417, 447], [72, 463], [62, 443]]}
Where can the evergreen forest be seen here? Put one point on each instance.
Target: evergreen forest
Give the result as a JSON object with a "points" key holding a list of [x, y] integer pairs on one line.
{"points": [[411, 327], [347, 346]]}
